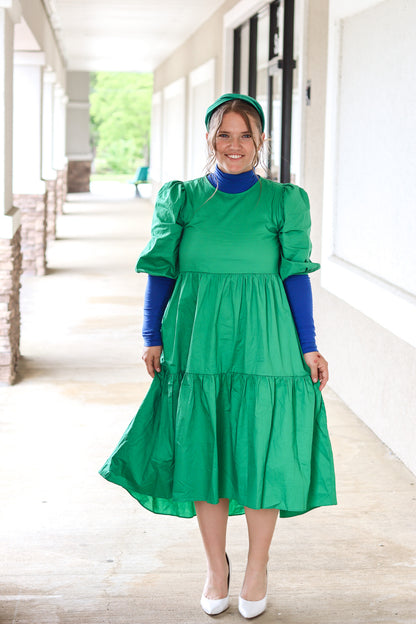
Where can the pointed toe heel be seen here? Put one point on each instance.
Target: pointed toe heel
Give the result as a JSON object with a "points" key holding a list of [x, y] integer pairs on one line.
{"points": [[251, 608], [215, 607]]}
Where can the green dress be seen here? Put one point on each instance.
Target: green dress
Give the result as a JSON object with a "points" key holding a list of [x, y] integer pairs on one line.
{"points": [[234, 412]]}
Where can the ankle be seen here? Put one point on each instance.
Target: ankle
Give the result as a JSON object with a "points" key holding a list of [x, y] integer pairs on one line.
{"points": [[217, 566], [257, 565]]}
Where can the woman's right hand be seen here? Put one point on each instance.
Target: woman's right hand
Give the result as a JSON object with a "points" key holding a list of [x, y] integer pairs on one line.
{"points": [[151, 357]]}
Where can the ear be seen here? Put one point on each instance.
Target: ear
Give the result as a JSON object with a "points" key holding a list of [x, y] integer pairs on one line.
{"points": [[206, 136], [262, 138]]}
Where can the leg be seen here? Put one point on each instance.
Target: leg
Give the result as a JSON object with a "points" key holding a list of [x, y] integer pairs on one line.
{"points": [[212, 520], [261, 524]]}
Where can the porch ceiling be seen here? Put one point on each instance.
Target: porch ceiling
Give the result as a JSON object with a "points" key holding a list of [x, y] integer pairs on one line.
{"points": [[124, 35]]}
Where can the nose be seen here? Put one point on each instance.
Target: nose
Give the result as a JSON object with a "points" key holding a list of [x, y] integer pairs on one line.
{"points": [[235, 141]]}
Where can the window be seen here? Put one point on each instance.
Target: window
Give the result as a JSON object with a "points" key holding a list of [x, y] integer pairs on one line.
{"points": [[260, 69]]}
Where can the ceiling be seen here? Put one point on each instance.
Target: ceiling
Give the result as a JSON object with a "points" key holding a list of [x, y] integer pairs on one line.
{"points": [[124, 35]]}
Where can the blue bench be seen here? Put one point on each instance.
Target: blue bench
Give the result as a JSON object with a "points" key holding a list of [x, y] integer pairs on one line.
{"points": [[140, 178]]}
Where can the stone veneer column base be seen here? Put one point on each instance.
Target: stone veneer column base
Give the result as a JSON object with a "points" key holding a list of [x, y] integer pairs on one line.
{"points": [[10, 271], [33, 212], [79, 172], [51, 209], [61, 186]]}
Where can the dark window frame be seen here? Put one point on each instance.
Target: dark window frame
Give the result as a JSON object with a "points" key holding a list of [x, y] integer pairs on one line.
{"points": [[237, 60], [286, 64]]}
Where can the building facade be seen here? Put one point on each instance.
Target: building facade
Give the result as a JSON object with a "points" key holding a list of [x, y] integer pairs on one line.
{"points": [[348, 136], [335, 78]]}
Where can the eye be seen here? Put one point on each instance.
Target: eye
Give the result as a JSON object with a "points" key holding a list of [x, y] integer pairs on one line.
{"points": [[247, 136], [222, 135]]}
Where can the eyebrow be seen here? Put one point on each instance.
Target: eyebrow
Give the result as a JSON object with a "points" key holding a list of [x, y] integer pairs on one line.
{"points": [[229, 131]]}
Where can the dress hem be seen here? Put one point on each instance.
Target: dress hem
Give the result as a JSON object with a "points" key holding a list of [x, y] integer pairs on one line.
{"points": [[234, 503]]}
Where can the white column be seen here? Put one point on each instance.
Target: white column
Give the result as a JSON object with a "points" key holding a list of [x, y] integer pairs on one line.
{"points": [[27, 123], [49, 80], [59, 128], [9, 216]]}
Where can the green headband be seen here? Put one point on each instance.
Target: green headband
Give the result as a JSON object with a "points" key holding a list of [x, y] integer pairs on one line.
{"points": [[227, 97]]}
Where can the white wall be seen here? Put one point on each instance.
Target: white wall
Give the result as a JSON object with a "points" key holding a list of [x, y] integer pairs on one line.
{"points": [[365, 309], [201, 95], [27, 123], [9, 216], [368, 248], [174, 131], [156, 138]]}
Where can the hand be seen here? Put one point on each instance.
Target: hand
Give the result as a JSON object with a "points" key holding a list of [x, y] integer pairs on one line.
{"points": [[319, 367], [151, 357]]}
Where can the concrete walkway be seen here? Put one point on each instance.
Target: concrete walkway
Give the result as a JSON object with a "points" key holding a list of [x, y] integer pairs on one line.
{"points": [[77, 549]]}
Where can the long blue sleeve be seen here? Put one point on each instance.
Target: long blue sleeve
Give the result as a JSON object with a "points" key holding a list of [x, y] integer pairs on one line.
{"points": [[156, 297], [299, 293]]}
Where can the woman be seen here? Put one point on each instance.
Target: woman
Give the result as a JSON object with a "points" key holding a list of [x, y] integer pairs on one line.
{"points": [[234, 420]]}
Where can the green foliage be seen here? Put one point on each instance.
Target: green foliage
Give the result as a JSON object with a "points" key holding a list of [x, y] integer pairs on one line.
{"points": [[120, 120]]}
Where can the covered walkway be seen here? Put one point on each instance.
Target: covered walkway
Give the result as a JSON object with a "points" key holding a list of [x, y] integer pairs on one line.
{"points": [[78, 549]]}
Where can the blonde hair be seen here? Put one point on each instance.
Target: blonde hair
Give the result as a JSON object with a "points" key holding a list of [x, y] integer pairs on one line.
{"points": [[249, 114]]}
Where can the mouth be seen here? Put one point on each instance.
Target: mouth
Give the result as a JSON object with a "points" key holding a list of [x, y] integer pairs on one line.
{"points": [[234, 156]]}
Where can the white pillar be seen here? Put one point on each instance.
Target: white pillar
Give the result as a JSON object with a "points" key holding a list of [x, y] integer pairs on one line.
{"points": [[49, 80], [59, 128], [10, 233], [9, 216], [78, 132], [27, 123]]}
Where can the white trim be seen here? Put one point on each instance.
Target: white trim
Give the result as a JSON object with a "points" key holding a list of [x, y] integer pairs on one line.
{"points": [[345, 8], [78, 105], [50, 176], [203, 73], [174, 88], [387, 305], [300, 24], [29, 58], [196, 152], [9, 223], [79, 157], [242, 11], [13, 8], [49, 76], [156, 143], [173, 163]]}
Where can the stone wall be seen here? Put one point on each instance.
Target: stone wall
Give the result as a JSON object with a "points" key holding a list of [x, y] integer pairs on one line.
{"points": [[10, 271], [33, 214], [51, 209], [79, 172], [61, 186]]}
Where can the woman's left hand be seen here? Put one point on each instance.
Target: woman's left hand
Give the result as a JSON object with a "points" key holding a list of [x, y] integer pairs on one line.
{"points": [[319, 367]]}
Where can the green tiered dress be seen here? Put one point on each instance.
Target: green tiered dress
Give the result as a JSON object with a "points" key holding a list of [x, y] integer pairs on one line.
{"points": [[234, 412]]}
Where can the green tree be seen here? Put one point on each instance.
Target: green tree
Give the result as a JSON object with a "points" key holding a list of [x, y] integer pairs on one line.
{"points": [[120, 120]]}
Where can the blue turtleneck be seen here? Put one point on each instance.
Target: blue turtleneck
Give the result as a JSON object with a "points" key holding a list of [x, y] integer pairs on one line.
{"points": [[232, 183], [297, 287]]}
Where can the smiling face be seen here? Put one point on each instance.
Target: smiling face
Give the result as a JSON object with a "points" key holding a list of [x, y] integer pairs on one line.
{"points": [[236, 144]]}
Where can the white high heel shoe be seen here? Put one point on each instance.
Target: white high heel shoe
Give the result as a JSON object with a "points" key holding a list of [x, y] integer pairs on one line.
{"points": [[214, 607], [252, 608]]}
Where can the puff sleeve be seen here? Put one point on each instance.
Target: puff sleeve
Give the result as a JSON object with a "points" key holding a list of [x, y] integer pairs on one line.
{"points": [[160, 256], [294, 233]]}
